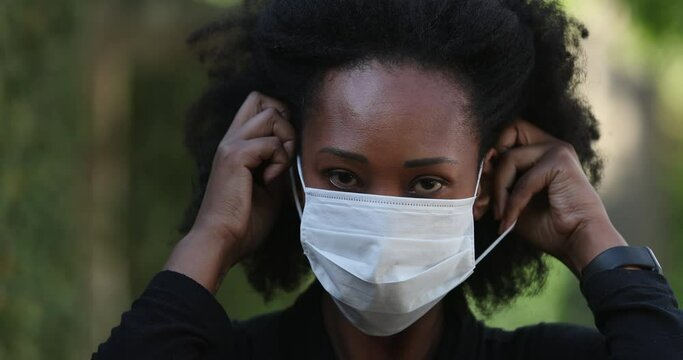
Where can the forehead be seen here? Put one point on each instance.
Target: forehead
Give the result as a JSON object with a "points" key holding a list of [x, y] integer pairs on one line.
{"points": [[398, 105]]}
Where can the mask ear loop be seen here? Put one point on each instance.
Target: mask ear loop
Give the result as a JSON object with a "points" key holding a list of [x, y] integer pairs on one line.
{"points": [[500, 238], [481, 168], [493, 245], [292, 182]]}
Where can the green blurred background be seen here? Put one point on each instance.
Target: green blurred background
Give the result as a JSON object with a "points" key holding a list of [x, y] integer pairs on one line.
{"points": [[94, 177]]}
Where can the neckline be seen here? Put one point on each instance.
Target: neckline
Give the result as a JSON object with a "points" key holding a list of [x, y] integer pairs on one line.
{"points": [[302, 332]]}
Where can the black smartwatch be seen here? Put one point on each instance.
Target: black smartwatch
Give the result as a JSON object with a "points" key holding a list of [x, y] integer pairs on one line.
{"points": [[620, 256]]}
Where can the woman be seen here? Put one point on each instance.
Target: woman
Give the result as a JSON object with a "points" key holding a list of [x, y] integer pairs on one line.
{"points": [[399, 129]]}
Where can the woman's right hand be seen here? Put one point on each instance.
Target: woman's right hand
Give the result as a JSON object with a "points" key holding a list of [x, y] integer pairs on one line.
{"points": [[242, 195]]}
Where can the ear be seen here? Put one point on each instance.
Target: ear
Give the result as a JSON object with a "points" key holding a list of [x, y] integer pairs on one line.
{"points": [[483, 201]]}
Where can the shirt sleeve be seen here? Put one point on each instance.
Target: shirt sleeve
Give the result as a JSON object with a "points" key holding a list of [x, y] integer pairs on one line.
{"points": [[637, 314], [174, 318]]}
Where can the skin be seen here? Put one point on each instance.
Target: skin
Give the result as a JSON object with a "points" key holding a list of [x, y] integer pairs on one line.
{"points": [[401, 131]]}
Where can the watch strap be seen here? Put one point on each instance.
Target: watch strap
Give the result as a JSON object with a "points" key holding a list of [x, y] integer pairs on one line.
{"points": [[620, 256]]}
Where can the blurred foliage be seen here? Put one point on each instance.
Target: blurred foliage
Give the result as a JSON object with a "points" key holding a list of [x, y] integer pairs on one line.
{"points": [[48, 52], [42, 128], [660, 30], [222, 3], [660, 19], [669, 155]]}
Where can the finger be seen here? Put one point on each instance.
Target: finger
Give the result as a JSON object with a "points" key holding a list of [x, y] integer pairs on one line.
{"points": [[509, 165], [529, 184], [265, 157], [267, 153], [268, 123], [522, 132], [254, 104], [535, 180]]}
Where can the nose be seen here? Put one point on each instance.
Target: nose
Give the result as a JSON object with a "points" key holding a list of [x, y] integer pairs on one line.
{"points": [[386, 187]]}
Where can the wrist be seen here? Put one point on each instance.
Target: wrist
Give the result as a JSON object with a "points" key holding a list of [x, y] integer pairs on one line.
{"points": [[224, 247], [203, 257], [588, 240], [624, 257]]}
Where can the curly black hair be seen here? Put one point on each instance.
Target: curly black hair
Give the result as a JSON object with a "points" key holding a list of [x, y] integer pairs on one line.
{"points": [[516, 58]]}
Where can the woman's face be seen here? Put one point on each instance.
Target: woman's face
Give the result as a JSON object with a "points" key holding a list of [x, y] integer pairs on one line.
{"points": [[399, 131]]}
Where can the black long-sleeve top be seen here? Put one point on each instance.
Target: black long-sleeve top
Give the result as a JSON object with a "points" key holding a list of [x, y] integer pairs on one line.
{"points": [[176, 318]]}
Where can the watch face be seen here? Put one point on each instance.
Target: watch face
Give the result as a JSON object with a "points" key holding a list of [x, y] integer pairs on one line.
{"points": [[658, 267]]}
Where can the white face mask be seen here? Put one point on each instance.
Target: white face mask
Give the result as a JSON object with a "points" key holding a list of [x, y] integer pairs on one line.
{"points": [[387, 260]]}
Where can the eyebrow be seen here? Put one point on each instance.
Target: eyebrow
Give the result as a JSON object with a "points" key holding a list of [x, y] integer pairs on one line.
{"points": [[429, 161], [345, 154]]}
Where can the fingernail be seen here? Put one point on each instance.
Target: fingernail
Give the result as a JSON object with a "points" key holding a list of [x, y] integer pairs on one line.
{"points": [[502, 227]]}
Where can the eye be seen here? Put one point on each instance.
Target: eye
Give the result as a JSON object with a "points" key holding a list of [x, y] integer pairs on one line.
{"points": [[343, 179], [426, 186]]}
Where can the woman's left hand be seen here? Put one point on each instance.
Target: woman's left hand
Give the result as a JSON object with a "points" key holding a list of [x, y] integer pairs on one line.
{"points": [[539, 181]]}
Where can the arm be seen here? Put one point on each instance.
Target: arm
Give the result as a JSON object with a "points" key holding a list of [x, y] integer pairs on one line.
{"points": [[174, 318], [177, 316], [634, 309], [637, 314]]}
